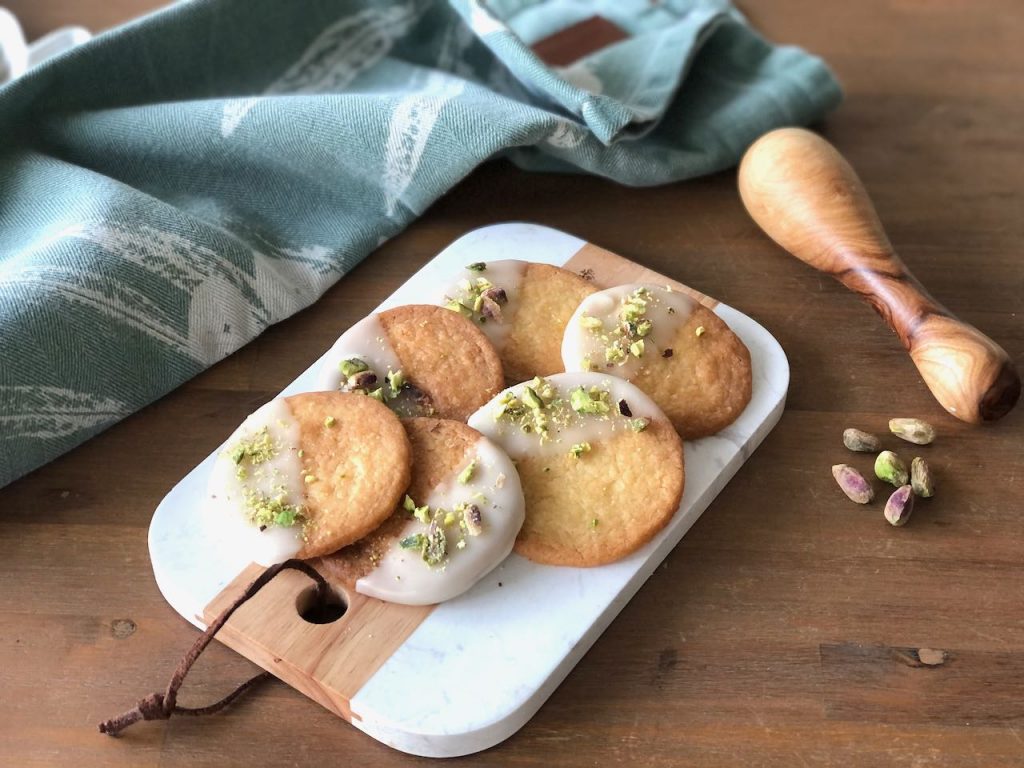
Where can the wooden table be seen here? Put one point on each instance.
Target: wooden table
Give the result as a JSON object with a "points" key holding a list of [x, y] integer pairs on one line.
{"points": [[780, 631]]}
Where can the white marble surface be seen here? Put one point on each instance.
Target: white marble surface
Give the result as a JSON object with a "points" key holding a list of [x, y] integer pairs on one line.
{"points": [[481, 665]]}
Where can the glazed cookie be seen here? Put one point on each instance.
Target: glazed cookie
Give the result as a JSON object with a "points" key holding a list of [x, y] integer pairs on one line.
{"points": [[457, 522], [418, 359], [522, 307], [600, 464], [308, 474], [676, 350]]}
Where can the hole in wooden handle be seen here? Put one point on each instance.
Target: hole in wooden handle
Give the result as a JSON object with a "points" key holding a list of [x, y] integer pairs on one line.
{"points": [[315, 609]]}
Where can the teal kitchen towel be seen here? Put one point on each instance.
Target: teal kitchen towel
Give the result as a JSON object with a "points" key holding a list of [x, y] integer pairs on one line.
{"points": [[173, 187]]}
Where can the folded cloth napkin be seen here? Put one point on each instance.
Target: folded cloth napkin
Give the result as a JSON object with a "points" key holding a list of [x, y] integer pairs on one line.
{"points": [[173, 187]]}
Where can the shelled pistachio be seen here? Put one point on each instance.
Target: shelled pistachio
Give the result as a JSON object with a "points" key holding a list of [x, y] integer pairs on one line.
{"points": [[891, 468], [921, 478], [853, 483], [858, 440], [912, 430], [900, 506]]}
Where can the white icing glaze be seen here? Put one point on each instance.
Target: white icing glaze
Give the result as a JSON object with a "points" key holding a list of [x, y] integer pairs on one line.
{"points": [[365, 340], [506, 274], [402, 576], [580, 428], [580, 343], [281, 475]]}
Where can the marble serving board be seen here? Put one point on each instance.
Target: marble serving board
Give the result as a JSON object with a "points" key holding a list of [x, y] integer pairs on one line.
{"points": [[459, 677]]}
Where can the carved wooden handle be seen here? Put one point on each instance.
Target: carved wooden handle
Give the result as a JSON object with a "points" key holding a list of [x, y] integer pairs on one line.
{"points": [[808, 199]]}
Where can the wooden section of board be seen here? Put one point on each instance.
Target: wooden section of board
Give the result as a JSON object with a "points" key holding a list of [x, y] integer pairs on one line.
{"points": [[329, 663], [607, 269], [326, 662]]}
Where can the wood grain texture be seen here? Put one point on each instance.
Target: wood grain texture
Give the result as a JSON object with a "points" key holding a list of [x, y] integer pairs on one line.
{"points": [[718, 660], [330, 662], [804, 194], [608, 269]]}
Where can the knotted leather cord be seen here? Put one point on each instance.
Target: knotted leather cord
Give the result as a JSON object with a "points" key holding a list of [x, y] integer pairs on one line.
{"points": [[160, 706]]}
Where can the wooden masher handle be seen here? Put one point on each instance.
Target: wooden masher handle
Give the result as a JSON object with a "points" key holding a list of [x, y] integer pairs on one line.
{"points": [[808, 199]]}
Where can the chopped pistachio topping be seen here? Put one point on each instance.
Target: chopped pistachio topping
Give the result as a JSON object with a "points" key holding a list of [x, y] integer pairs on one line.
{"points": [[436, 549], [361, 378], [433, 545], [700, 330], [257, 449], [640, 424], [626, 340], [633, 309], [309, 479], [457, 306], [352, 366], [553, 413], [467, 474], [477, 299], [531, 399], [543, 388], [476, 266], [614, 354], [595, 401], [531, 410], [473, 520], [330, 421], [396, 381], [263, 510], [594, 523], [287, 517], [508, 404], [416, 541], [579, 449]]}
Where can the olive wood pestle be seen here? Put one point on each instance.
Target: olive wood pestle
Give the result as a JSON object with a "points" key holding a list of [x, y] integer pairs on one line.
{"points": [[808, 199]]}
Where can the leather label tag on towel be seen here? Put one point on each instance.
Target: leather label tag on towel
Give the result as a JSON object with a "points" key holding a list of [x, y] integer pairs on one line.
{"points": [[572, 43]]}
